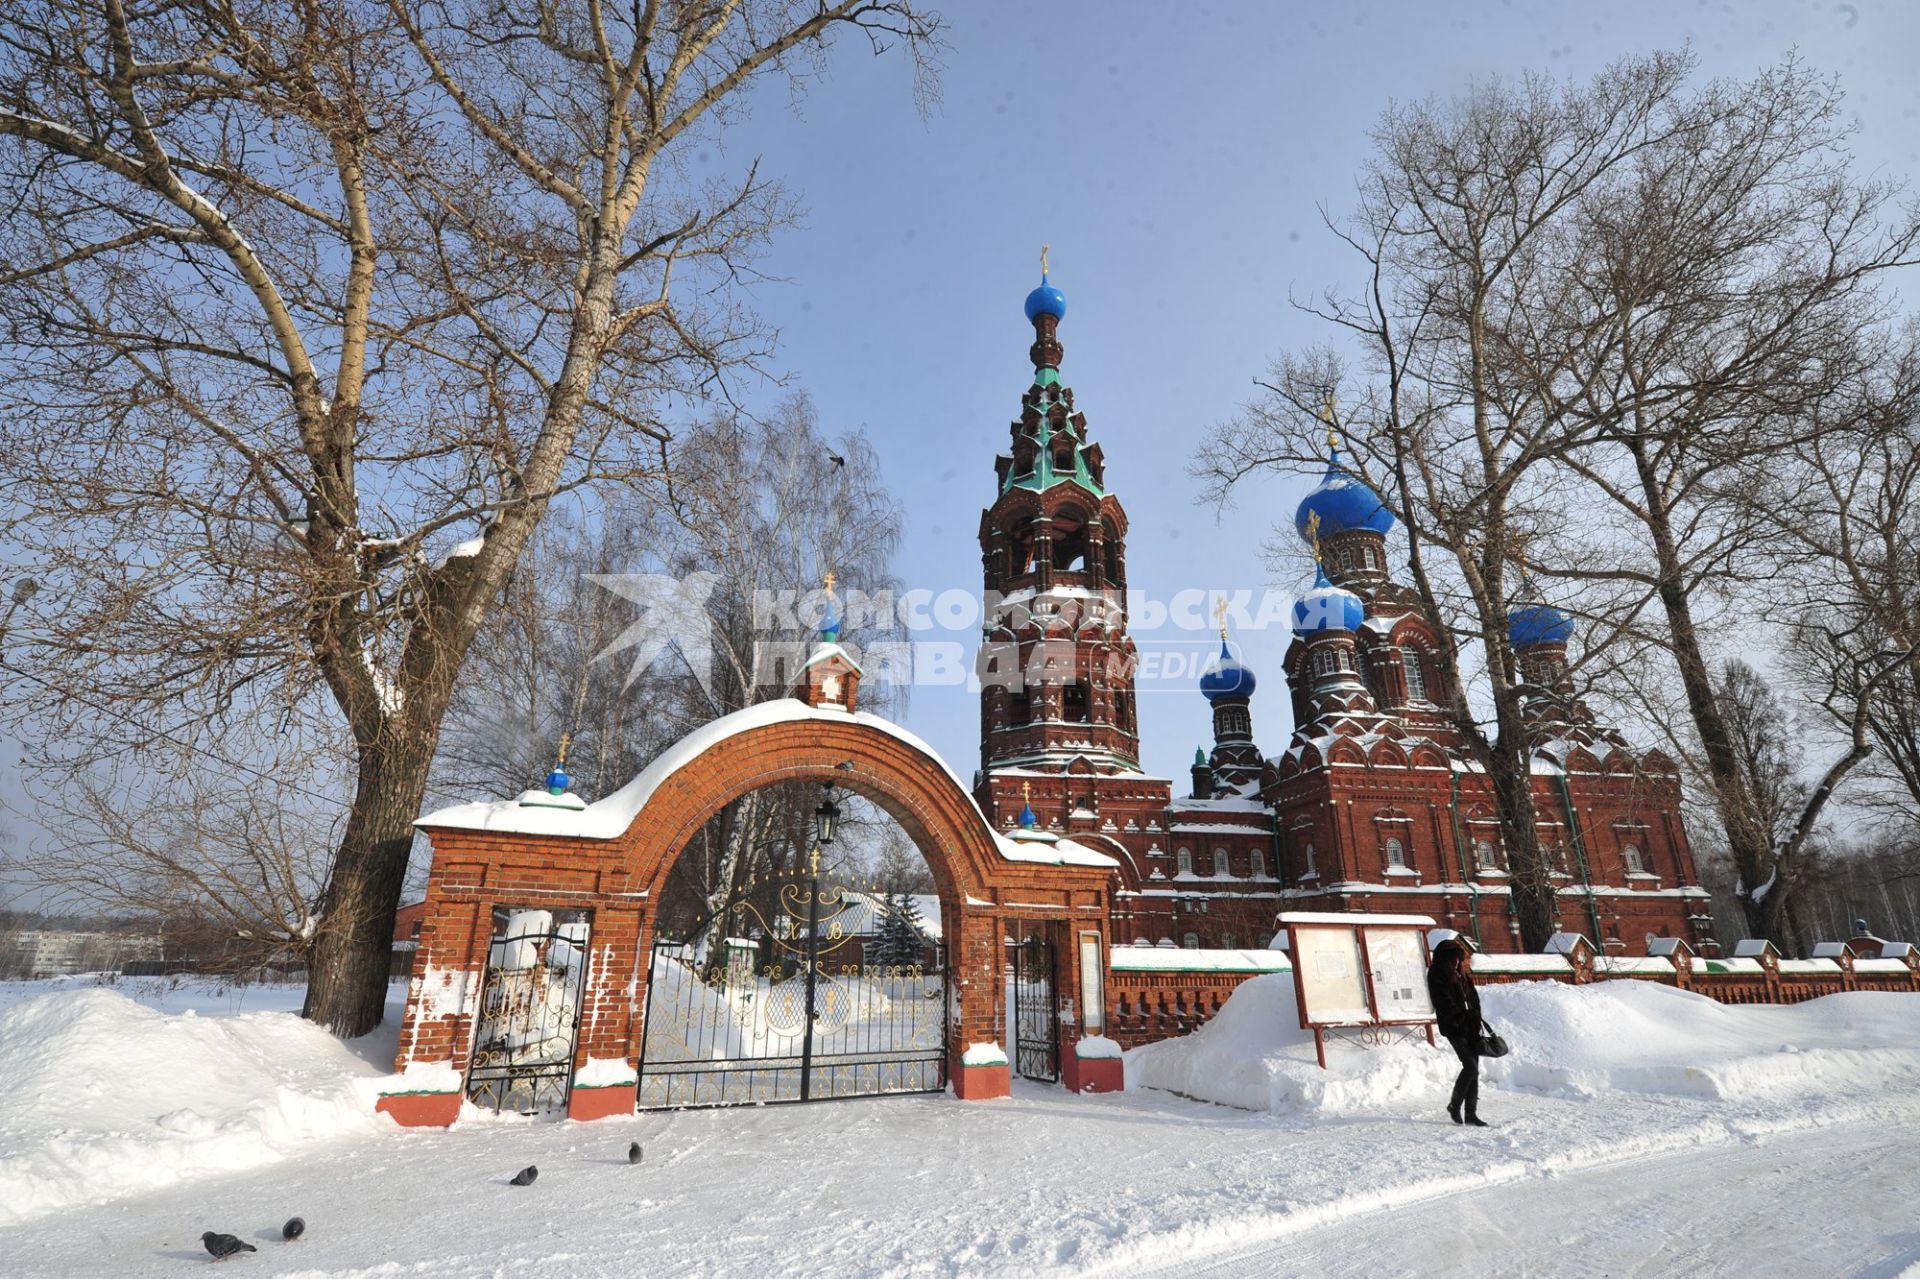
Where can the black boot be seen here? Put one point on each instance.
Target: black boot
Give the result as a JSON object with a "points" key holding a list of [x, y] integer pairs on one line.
{"points": [[1459, 1095]]}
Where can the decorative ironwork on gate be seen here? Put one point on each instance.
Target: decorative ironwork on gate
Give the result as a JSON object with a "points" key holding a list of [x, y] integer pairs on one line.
{"points": [[529, 1010], [1036, 1005], [782, 1005]]}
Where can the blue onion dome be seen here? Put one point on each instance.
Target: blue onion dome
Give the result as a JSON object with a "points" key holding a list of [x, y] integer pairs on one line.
{"points": [[1046, 300], [1227, 677], [1343, 502], [1028, 819], [1326, 608], [830, 624], [1532, 624], [558, 781]]}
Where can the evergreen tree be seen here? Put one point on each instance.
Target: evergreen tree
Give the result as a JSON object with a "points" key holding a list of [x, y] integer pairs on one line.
{"points": [[902, 934]]}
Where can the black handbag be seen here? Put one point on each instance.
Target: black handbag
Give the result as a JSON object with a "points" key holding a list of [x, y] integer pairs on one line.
{"points": [[1491, 1045]]}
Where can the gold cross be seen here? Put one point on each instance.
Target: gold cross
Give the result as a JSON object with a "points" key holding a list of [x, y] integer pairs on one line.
{"points": [[813, 862], [1313, 534], [566, 739], [829, 580], [1026, 792], [1043, 261], [1220, 610], [1327, 416]]}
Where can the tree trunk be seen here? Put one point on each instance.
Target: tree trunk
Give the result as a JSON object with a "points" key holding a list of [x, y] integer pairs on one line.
{"points": [[353, 951], [1535, 904]]}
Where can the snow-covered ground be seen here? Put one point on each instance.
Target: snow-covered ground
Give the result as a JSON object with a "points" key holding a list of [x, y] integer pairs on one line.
{"points": [[1638, 1130]]}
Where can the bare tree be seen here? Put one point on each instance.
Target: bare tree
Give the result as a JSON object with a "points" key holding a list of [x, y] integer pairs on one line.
{"points": [[1461, 214], [1723, 291], [311, 313]]}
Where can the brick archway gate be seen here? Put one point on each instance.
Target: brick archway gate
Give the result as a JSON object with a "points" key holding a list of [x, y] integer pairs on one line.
{"points": [[604, 867]]}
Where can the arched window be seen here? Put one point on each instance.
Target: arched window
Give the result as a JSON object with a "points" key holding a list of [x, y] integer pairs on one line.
{"points": [[1183, 861], [1483, 855], [1226, 940], [1312, 871], [1635, 859], [1221, 866], [1257, 864], [1191, 941], [1416, 676], [1396, 853]]}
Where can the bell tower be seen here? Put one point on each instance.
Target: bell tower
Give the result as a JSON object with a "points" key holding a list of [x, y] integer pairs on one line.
{"points": [[1056, 665]]}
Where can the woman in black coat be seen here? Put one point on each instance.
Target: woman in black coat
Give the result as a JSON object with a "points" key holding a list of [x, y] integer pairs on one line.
{"points": [[1456, 1007]]}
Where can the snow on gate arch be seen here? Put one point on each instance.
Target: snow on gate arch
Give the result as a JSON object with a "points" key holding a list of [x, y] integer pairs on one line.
{"points": [[542, 856]]}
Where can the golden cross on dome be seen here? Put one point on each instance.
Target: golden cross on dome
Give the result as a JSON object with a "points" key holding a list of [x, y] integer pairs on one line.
{"points": [[829, 579], [1220, 614], [1313, 534], [566, 740], [1327, 416], [1043, 260], [1026, 791]]}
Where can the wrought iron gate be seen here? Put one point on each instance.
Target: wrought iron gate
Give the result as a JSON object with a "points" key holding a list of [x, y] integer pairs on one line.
{"points": [[1036, 1006], [529, 1010], [783, 1007]]}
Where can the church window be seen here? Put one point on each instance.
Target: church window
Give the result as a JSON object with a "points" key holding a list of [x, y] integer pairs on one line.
{"points": [[1312, 871], [1257, 864], [1416, 676], [1344, 557], [1075, 703], [1221, 866], [1396, 853], [1635, 859], [1183, 861], [1226, 940], [1371, 557], [1484, 856], [1191, 941], [1020, 708], [1326, 661]]}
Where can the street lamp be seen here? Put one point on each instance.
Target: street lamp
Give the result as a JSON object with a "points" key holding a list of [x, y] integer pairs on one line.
{"points": [[826, 818]]}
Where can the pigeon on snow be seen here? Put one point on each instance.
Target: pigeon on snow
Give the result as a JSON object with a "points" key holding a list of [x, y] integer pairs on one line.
{"points": [[525, 1176], [633, 1153], [294, 1228], [224, 1246]]}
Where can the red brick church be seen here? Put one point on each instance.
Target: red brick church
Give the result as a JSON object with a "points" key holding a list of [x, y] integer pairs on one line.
{"points": [[1373, 804]]}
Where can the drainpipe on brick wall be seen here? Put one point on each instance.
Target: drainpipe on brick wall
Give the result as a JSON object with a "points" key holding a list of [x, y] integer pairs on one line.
{"points": [[1460, 853], [1579, 851]]}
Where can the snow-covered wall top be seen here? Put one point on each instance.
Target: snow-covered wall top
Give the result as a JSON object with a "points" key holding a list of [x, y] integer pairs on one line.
{"points": [[609, 817], [1150, 959]]}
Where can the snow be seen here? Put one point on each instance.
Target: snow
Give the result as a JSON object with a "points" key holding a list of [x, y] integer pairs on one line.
{"points": [[1096, 1048], [1637, 1130], [117, 1092], [1139, 959], [609, 817], [987, 1054], [604, 1072], [1752, 948], [1352, 919]]}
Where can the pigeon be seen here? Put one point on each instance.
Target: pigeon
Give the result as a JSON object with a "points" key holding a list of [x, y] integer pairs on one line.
{"points": [[633, 1153], [525, 1176], [836, 459], [294, 1228], [224, 1246]]}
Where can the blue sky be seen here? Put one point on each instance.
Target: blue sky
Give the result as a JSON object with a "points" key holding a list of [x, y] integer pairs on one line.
{"points": [[1176, 157]]}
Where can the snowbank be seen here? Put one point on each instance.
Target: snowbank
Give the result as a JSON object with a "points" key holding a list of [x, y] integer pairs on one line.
{"points": [[106, 1097], [1583, 1041], [1254, 1055]]}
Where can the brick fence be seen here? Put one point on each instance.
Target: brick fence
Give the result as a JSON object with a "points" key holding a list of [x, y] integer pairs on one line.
{"points": [[1160, 994]]}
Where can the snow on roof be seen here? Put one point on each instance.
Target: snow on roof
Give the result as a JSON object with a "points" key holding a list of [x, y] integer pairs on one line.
{"points": [[610, 816], [1149, 959], [1564, 943], [865, 912], [1896, 950], [1666, 946], [1351, 917], [1829, 949], [1879, 965], [1748, 966], [1753, 948]]}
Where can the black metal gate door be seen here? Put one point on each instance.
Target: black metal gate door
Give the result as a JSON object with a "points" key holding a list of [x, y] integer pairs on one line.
{"points": [[1036, 1006], [529, 1010], [783, 1007]]}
